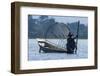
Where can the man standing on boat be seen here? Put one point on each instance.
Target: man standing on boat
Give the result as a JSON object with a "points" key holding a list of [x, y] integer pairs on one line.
{"points": [[71, 44]]}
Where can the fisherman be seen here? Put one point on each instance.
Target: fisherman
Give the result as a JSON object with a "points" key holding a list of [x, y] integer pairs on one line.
{"points": [[71, 44]]}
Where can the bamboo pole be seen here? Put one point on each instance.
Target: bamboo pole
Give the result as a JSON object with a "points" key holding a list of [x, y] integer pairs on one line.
{"points": [[77, 37]]}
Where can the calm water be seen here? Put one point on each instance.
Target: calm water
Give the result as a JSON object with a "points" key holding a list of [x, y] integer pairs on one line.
{"points": [[33, 52]]}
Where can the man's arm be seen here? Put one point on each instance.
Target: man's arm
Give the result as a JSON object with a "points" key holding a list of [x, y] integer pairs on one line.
{"points": [[75, 37]]}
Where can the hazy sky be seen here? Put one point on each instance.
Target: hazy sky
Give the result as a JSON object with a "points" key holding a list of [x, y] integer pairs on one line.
{"points": [[67, 19]]}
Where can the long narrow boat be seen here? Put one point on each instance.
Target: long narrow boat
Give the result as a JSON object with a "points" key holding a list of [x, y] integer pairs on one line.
{"points": [[48, 48]]}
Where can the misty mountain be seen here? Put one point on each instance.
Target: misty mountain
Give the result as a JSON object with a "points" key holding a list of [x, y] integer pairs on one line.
{"points": [[45, 27]]}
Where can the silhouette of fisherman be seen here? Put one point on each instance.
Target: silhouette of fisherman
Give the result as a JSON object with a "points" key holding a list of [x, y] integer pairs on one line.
{"points": [[71, 44]]}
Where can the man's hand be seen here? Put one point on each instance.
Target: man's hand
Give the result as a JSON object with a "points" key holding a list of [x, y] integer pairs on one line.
{"points": [[76, 36]]}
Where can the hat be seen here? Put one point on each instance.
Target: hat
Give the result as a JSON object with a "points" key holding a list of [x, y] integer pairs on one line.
{"points": [[70, 34]]}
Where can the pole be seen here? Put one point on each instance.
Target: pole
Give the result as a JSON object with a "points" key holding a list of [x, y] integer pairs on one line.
{"points": [[77, 36]]}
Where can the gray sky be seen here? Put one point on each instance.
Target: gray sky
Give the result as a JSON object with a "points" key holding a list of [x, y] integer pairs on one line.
{"points": [[67, 19]]}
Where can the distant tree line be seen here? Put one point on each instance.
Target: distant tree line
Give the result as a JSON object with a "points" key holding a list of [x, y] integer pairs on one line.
{"points": [[39, 27]]}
